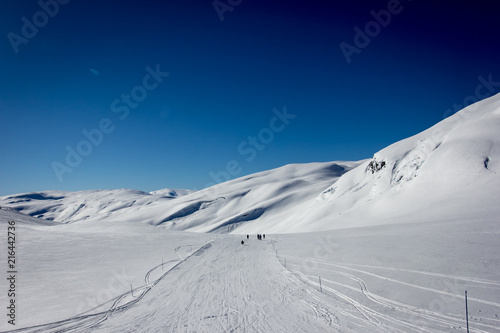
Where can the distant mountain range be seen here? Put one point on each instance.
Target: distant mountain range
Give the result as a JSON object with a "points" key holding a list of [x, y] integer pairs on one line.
{"points": [[448, 171]]}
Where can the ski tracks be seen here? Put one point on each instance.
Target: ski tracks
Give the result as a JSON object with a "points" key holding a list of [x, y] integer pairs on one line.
{"points": [[375, 307], [89, 321], [236, 288], [228, 287]]}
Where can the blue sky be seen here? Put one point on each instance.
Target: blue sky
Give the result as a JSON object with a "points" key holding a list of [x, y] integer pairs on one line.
{"points": [[74, 67]]}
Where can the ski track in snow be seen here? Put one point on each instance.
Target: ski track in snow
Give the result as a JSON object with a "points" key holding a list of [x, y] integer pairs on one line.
{"points": [[223, 287], [228, 287], [89, 320], [446, 322]]}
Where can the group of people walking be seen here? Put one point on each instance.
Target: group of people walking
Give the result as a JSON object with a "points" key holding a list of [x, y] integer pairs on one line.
{"points": [[259, 237]]}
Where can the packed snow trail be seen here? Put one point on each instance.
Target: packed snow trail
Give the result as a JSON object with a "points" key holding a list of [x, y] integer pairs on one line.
{"points": [[225, 286], [229, 287]]}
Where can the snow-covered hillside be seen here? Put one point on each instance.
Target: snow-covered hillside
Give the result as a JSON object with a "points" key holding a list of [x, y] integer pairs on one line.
{"points": [[70, 207], [445, 172], [450, 170], [262, 198]]}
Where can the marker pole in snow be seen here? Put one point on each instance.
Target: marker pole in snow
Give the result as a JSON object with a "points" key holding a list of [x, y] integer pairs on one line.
{"points": [[131, 290], [466, 312], [320, 288]]}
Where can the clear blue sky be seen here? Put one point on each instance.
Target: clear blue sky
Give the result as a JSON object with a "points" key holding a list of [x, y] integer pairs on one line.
{"points": [[75, 71]]}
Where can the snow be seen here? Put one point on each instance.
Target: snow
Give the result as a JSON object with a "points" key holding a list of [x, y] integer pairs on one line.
{"points": [[69, 207], [395, 241], [443, 172], [399, 277], [264, 198]]}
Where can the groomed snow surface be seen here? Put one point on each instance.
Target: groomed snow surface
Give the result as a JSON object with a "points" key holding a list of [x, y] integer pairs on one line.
{"points": [[388, 244], [391, 278]]}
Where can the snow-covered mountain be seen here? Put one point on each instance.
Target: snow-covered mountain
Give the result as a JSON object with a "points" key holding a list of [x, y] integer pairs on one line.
{"points": [[410, 230], [447, 171], [70, 207], [263, 196]]}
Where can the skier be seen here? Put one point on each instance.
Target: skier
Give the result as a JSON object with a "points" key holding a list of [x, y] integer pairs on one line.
{"points": [[242, 242], [264, 236], [247, 236]]}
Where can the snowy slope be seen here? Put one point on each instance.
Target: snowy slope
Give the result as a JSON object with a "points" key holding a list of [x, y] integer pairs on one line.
{"points": [[259, 198], [255, 200], [69, 207], [446, 172]]}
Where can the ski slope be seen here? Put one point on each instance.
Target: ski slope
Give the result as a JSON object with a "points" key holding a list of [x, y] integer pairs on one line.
{"points": [[392, 278], [224, 287]]}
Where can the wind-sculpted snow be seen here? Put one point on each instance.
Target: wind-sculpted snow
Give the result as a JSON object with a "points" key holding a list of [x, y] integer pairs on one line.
{"points": [[33, 196], [240, 205], [70, 207], [232, 223], [185, 211]]}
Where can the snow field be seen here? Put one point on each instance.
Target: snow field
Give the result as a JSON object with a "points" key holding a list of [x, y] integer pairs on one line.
{"points": [[408, 274], [69, 270], [391, 278]]}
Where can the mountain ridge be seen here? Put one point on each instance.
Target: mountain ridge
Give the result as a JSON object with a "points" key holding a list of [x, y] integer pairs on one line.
{"points": [[447, 170]]}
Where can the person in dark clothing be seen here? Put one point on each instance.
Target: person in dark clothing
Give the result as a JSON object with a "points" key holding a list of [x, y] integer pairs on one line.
{"points": [[264, 235], [242, 242], [247, 236]]}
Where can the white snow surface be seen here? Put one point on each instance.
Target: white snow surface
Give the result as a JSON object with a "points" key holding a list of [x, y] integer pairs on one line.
{"points": [[391, 278], [388, 244], [263, 199], [448, 171]]}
